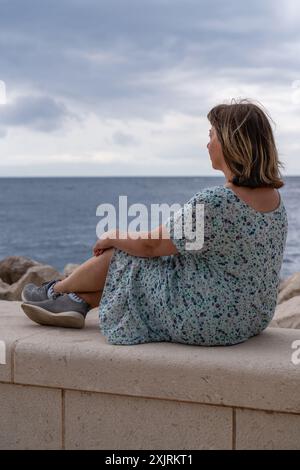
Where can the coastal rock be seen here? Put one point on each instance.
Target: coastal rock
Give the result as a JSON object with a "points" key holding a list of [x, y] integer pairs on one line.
{"points": [[287, 314], [289, 288], [3, 285], [282, 284], [13, 268], [69, 268], [36, 274]]}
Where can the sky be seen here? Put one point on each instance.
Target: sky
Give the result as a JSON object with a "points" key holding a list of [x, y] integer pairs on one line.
{"points": [[123, 87]]}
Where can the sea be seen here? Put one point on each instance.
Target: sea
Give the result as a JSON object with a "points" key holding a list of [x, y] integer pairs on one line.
{"points": [[55, 220]]}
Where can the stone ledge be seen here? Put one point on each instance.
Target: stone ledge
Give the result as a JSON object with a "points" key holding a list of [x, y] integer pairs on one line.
{"points": [[70, 389], [257, 374]]}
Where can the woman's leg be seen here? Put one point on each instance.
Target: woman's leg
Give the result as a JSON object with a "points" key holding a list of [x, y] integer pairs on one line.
{"points": [[88, 277], [92, 298]]}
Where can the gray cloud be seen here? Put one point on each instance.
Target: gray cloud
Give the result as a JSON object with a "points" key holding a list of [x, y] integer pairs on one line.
{"points": [[3, 132], [124, 139], [141, 59], [38, 112], [96, 52]]}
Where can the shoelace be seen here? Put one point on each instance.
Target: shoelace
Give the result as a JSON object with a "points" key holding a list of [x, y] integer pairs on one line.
{"points": [[54, 294], [76, 297]]}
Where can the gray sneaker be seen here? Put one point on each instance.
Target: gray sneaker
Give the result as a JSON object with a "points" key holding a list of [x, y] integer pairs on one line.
{"points": [[33, 293], [61, 311]]}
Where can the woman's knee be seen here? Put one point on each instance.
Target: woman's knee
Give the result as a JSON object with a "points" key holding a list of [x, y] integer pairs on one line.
{"points": [[107, 254]]}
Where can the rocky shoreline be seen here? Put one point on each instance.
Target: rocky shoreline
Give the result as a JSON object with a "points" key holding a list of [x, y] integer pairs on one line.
{"points": [[16, 271]]}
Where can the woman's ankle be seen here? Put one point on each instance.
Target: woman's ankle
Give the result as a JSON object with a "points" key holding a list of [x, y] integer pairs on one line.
{"points": [[58, 288]]}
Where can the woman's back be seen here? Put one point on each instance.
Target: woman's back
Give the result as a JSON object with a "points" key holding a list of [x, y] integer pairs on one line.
{"points": [[231, 283], [260, 199]]}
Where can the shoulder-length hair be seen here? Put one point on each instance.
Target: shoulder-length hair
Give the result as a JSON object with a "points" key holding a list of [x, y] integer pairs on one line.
{"points": [[248, 144]]}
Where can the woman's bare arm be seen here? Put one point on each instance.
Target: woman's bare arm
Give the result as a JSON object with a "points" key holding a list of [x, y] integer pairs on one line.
{"points": [[144, 244]]}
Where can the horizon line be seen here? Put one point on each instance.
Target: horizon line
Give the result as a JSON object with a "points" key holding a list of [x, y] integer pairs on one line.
{"points": [[114, 176], [125, 176]]}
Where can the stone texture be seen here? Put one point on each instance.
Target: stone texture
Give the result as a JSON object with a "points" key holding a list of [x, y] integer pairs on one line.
{"points": [[3, 285], [13, 268], [103, 421], [287, 314], [36, 274], [109, 385], [282, 283], [69, 268], [267, 430], [289, 288], [14, 325], [255, 374], [30, 418]]}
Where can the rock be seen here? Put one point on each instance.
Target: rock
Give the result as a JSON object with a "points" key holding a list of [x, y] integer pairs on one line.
{"points": [[282, 284], [69, 268], [290, 288], [3, 285], [13, 268], [36, 274], [287, 314]]}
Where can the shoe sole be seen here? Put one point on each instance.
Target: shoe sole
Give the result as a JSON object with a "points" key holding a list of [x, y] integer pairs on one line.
{"points": [[44, 317]]}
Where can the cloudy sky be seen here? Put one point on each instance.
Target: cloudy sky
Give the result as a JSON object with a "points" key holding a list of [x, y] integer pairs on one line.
{"points": [[123, 87]]}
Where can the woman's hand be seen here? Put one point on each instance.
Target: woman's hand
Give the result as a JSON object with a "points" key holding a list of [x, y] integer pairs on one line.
{"points": [[105, 241]]}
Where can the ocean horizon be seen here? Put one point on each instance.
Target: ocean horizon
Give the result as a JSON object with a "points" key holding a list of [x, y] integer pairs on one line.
{"points": [[53, 219]]}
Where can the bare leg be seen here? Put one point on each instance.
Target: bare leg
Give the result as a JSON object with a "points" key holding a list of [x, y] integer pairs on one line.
{"points": [[88, 277], [92, 298]]}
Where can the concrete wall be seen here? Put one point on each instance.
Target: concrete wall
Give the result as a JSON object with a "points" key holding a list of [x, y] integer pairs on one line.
{"points": [[70, 389]]}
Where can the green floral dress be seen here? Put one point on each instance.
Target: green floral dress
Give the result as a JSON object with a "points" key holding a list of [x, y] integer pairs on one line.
{"points": [[221, 293]]}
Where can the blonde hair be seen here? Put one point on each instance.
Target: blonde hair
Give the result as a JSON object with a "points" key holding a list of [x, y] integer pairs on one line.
{"points": [[248, 144]]}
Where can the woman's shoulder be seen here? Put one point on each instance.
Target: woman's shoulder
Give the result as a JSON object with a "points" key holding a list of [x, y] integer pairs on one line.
{"points": [[262, 203], [213, 197], [265, 202], [212, 194], [262, 199], [223, 200]]}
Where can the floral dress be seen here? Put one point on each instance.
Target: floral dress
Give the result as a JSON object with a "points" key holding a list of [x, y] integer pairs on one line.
{"points": [[221, 292]]}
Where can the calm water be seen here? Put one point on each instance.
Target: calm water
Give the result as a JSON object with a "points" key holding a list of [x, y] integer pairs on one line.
{"points": [[53, 220]]}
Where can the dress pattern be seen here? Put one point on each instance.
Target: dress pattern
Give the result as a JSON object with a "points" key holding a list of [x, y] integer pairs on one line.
{"points": [[218, 293]]}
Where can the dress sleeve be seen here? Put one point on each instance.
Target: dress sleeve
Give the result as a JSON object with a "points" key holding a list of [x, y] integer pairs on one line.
{"points": [[194, 227]]}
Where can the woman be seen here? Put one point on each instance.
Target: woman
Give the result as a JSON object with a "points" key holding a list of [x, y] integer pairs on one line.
{"points": [[155, 289]]}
